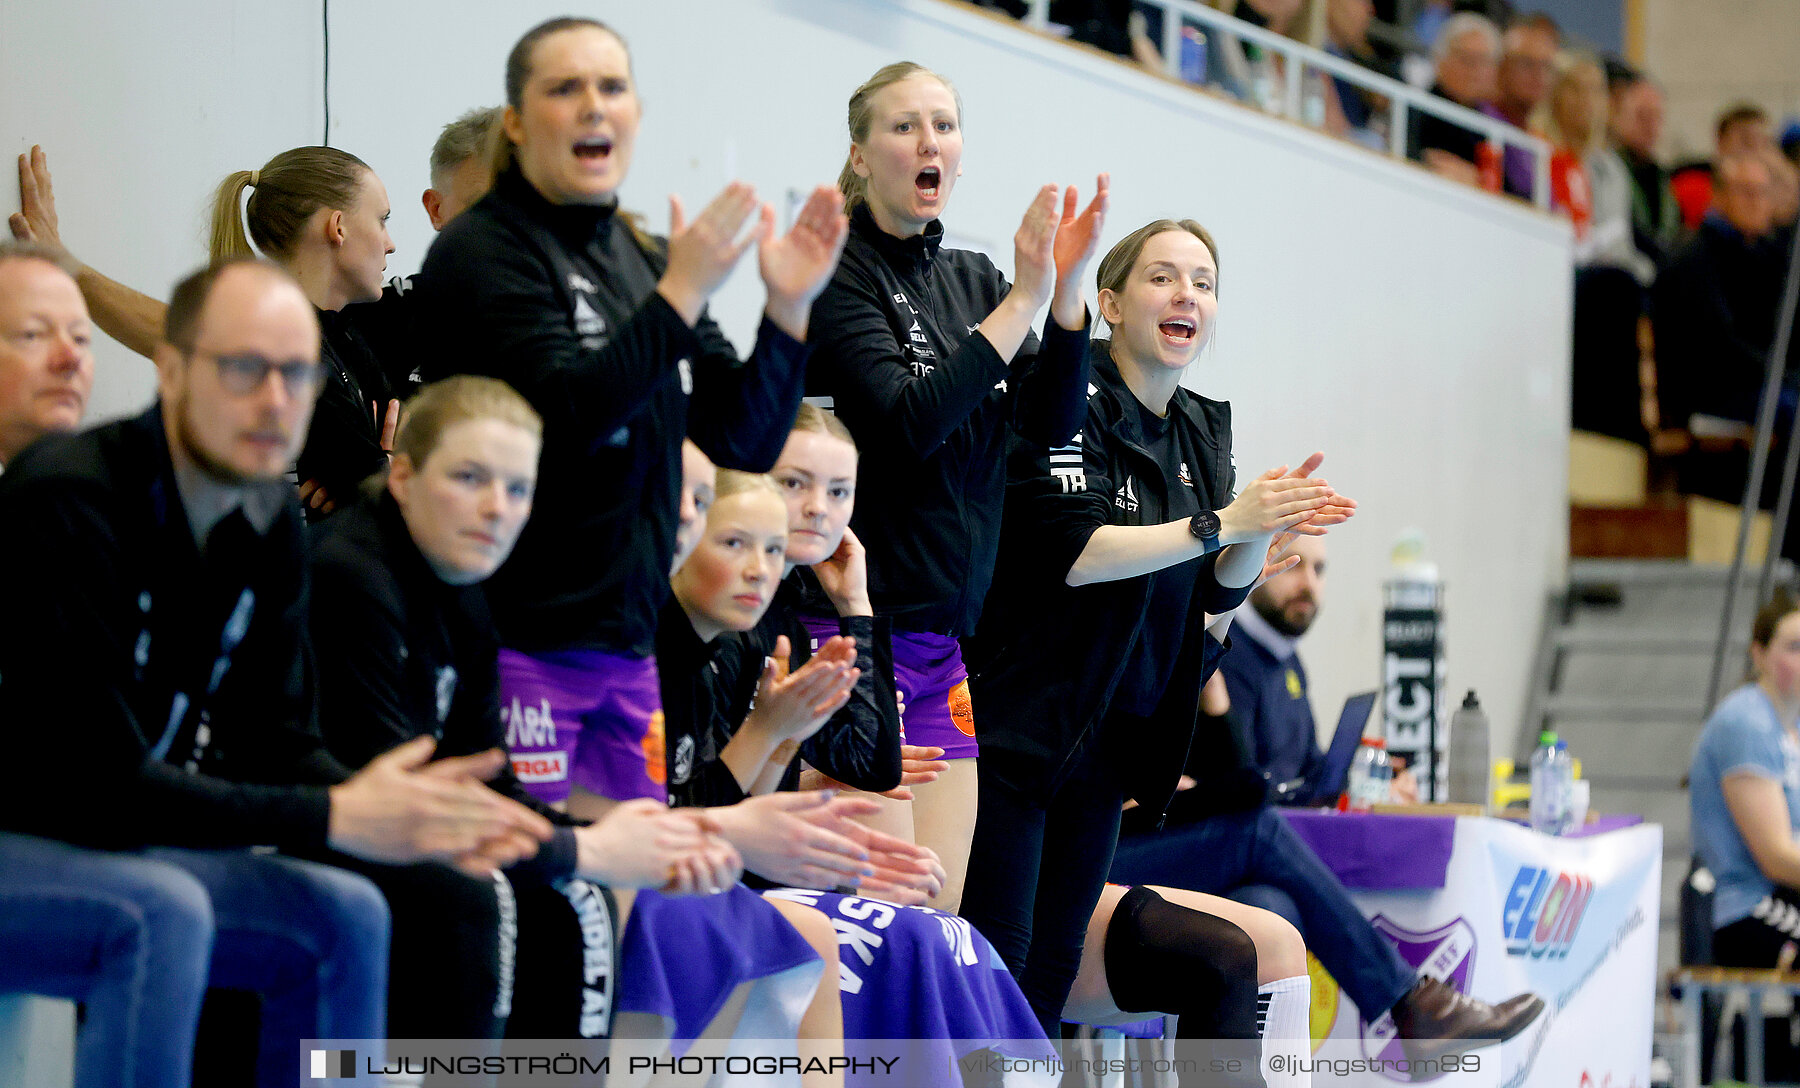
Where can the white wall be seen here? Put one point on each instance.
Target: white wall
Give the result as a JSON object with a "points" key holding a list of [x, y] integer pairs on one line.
{"points": [[1413, 330]]}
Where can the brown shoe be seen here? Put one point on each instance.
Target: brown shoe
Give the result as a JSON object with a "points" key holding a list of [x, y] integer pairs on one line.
{"points": [[1435, 1020]]}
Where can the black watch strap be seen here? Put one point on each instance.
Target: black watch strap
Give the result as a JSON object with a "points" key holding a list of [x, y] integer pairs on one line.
{"points": [[1205, 528]]}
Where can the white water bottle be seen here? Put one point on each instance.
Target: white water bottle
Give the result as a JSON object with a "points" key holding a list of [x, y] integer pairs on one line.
{"points": [[1549, 792]]}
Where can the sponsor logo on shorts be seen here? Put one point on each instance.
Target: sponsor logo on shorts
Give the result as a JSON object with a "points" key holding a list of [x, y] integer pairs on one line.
{"points": [[542, 767], [528, 726], [962, 709]]}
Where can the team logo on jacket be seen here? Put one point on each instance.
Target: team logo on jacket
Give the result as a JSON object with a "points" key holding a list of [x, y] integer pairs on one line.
{"points": [[446, 691], [1068, 467], [681, 765], [1183, 475], [1126, 497], [586, 319], [915, 336]]}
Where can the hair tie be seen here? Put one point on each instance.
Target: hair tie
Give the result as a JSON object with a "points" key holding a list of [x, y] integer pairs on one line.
{"points": [[254, 175]]}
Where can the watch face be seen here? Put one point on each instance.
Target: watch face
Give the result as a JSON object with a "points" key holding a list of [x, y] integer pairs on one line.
{"points": [[1204, 524]]}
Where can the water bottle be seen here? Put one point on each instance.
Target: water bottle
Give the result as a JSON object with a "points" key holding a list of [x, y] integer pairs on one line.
{"points": [[1549, 796], [1565, 782], [1370, 775], [1471, 761]]}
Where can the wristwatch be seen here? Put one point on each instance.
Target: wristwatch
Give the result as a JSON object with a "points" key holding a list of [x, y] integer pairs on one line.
{"points": [[1205, 527]]}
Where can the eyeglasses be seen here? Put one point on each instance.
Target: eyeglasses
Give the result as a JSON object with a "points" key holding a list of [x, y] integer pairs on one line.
{"points": [[243, 373]]}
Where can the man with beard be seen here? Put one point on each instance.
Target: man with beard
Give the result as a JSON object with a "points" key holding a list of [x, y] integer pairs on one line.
{"points": [[158, 685], [1267, 683]]}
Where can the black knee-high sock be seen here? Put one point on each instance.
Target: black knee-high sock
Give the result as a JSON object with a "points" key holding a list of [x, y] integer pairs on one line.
{"points": [[1161, 957]]}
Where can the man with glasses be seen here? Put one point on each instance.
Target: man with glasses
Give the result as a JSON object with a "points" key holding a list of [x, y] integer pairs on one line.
{"points": [[154, 681]]}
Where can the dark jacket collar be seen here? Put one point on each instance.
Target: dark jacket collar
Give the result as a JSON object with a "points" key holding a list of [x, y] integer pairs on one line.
{"points": [[917, 251], [1205, 415], [575, 225]]}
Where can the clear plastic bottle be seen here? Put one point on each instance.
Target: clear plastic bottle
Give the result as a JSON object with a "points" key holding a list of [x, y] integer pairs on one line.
{"points": [[1549, 786], [1370, 775], [1565, 773], [1471, 760]]}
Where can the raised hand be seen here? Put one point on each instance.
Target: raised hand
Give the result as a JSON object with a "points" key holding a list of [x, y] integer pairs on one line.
{"points": [[387, 424], [36, 221], [399, 809], [795, 706], [1077, 239], [798, 838], [702, 253], [644, 844], [1337, 510], [1034, 248], [844, 576], [797, 265]]}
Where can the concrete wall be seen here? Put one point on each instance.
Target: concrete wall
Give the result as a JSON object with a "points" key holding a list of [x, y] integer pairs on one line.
{"points": [[1710, 53]]}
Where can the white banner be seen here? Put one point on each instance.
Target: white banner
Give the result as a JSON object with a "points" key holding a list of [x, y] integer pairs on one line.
{"points": [[1571, 920]]}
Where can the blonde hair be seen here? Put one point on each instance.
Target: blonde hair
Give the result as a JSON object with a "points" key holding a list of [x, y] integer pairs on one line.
{"points": [[286, 192], [816, 420], [441, 405], [861, 115], [732, 482], [1569, 66], [1115, 267], [462, 139]]}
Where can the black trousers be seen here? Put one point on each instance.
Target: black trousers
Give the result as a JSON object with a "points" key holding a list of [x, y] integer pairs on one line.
{"points": [[1036, 868]]}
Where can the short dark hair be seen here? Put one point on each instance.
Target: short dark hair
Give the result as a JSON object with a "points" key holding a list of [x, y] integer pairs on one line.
{"points": [[181, 323], [1769, 616], [1736, 114]]}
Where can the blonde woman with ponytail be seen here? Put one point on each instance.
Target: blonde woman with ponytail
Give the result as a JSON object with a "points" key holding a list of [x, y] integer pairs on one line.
{"points": [[929, 355], [320, 213]]}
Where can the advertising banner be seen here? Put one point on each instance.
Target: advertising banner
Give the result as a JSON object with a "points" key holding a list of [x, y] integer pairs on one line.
{"points": [[1573, 920]]}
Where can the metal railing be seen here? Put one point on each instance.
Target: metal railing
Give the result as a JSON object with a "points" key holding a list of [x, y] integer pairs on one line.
{"points": [[1403, 99]]}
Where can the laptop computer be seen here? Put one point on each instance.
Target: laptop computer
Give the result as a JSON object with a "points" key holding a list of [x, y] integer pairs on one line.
{"points": [[1334, 773]]}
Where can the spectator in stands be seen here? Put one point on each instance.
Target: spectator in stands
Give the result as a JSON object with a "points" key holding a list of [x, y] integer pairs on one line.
{"points": [[1742, 128], [1635, 122], [1268, 684], [1745, 795], [1467, 53], [1222, 838], [1347, 36], [1522, 85], [1715, 308], [168, 596]]}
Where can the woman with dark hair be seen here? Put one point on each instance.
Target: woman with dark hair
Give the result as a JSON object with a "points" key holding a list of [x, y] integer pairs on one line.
{"points": [[1745, 793], [1095, 650]]}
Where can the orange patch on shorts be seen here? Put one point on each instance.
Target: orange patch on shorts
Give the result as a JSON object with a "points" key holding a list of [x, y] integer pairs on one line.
{"points": [[655, 761], [962, 709]]}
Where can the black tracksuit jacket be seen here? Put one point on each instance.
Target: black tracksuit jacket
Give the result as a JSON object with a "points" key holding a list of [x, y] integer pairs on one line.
{"points": [[402, 653], [343, 443], [709, 688], [161, 695], [1049, 657], [560, 301], [930, 401]]}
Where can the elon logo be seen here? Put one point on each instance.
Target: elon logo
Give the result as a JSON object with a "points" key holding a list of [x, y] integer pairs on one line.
{"points": [[1543, 910]]}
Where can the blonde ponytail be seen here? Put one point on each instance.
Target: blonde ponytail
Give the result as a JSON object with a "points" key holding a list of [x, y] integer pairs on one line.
{"points": [[228, 238]]}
